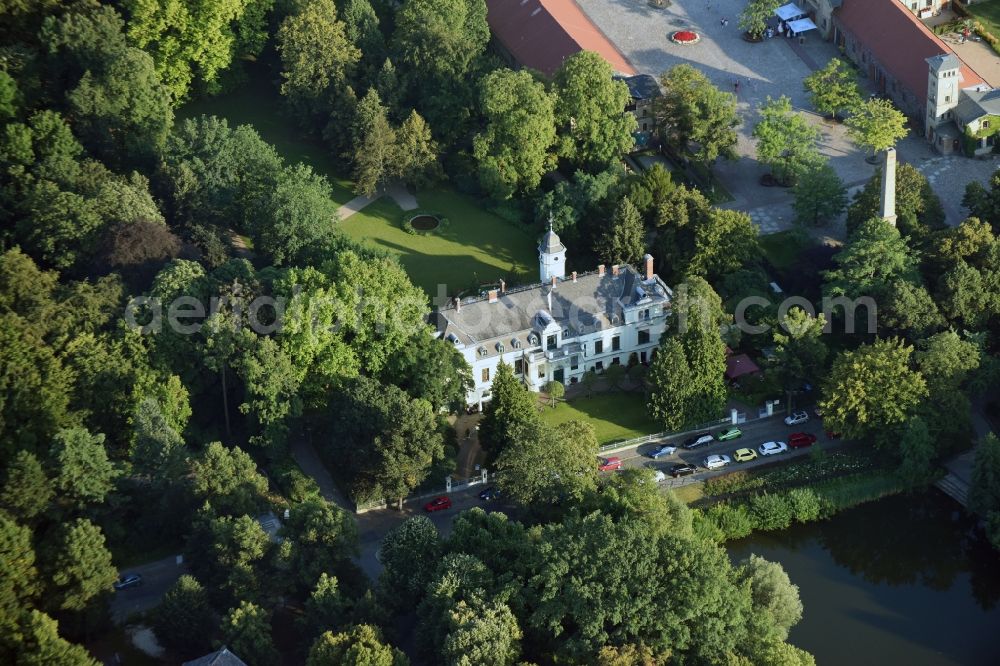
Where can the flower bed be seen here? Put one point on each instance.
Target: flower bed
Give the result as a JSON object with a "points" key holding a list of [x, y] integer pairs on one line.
{"points": [[685, 37]]}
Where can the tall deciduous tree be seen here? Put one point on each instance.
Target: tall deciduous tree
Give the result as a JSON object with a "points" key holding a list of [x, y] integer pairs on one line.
{"points": [[158, 452], [623, 242], [515, 148], [230, 556], [247, 631], [545, 463], [871, 387], [363, 645], [416, 152], [228, 480], [409, 554], [875, 256], [877, 125], [316, 56], [984, 489], [431, 369], [754, 17], [322, 538], [799, 351], [786, 142], [593, 130], [775, 600], [83, 473], [375, 150], [41, 645], [188, 39], [183, 619], [692, 109], [298, 216], [509, 413], [916, 451], [27, 490], [820, 195], [19, 584], [834, 88], [78, 565]]}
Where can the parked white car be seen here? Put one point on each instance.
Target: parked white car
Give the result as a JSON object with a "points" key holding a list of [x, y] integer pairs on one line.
{"points": [[772, 448], [796, 418], [659, 476], [716, 461]]}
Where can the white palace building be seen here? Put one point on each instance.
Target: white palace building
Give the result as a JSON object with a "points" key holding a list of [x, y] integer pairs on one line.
{"points": [[560, 328]]}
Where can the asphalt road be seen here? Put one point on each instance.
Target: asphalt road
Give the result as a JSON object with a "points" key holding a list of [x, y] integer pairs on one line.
{"points": [[755, 433], [157, 578]]}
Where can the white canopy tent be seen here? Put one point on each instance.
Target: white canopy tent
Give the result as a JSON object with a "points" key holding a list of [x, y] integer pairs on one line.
{"points": [[802, 25], [789, 12]]}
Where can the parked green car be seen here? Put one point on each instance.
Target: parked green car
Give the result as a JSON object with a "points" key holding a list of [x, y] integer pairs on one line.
{"points": [[726, 435]]}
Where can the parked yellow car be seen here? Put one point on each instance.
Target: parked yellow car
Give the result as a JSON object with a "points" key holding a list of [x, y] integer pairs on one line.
{"points": [[745, 455]]}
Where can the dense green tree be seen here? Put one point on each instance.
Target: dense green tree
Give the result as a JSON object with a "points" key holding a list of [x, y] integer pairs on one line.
{"points": [[578, 208], [946, 360], [786, 141], [431, 369], [59, 229], [247, 632], [271, 390], [834, 88], [593, 131], [158, 452], [317, 56], [387, 311], [459, 578], [299, 215], [984, 488], [361, 26], [545, 463], [19, 584], [27, 490], [228, 480], [876, 125], [41, 645], [9, 96], [754, 17], [696, 239], [514, 148], [774, 599], [634, 494], [649, 191], [875, 257], [692, 109], [984, 203], [78, 566], [321, 539], [387, 439], [408, 554], [671, 399], [918, 209], [83, 473], [189, 39], [916, 451], [624, 240], [910, 309], [965, 296], [229, 556], [871, 387], [183, 620], [510, 412], [122, 113], [375, 145], [363, 645], [799, 350], [482, 633], [416, 152], [820, 195]]}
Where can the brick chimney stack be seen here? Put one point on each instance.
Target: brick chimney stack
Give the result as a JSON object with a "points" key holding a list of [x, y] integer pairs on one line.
{"points": [[649, 266]]}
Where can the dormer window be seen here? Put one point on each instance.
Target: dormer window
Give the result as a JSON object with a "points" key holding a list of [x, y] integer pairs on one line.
{"points": [[985, 123], [515, 343], [500, 347], [533, 339], [483, 351]]}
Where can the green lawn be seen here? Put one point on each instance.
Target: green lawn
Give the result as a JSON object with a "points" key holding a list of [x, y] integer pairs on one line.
{"points": [[614, 415], [988, 14], [474, 248], [258, 103]]}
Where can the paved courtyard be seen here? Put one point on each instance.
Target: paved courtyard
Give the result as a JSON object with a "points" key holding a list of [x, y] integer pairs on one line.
{"points": [[772, 68]]}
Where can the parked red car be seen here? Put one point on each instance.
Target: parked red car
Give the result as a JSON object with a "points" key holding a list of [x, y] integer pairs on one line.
{"points": [[800, 440], [609, 464], [438, 504]]}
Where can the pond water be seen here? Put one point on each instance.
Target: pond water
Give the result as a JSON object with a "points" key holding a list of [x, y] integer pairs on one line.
{"points": [[905, 580]]}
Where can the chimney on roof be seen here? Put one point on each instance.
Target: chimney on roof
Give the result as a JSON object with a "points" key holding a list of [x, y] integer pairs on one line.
{"points": [[503, 287], [492, 295], [614, 270], [574, 276], [600, 270], [553, 281], [458, 305], [649, 266]]}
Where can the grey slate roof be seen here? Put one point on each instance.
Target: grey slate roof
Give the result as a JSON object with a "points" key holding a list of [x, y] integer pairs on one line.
{"points": [[221, 658], [592, 303], [642, 86], [976, 104], [944, 61], [551, 243]]}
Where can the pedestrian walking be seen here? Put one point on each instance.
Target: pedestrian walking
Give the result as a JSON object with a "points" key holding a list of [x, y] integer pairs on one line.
{"points": [[736, 85]]}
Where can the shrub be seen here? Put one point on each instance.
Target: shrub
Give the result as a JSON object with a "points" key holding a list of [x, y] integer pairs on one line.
{"points": [[733, 521], [805, 504], [770, 512], [293, 484]]}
